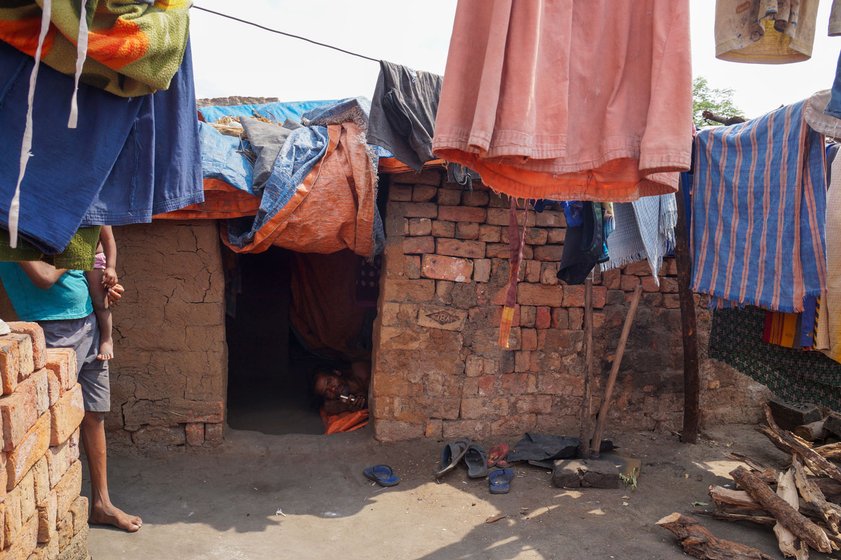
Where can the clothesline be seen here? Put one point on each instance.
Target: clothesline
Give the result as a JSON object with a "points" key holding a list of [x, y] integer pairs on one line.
{"points": [[263, 27]]}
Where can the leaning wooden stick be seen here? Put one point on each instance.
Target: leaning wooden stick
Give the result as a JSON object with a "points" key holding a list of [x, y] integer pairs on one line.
{"points": [[790, 545], [830, 513], [586, 412], [614, 371], [789, 517]]}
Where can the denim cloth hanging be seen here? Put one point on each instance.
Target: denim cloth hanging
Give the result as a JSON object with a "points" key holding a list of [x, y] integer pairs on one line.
{"points": [[68, 166]]}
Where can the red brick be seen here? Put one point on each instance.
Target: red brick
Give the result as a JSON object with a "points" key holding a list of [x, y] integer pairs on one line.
{"points": [[467, 230], [62, 362], [400, 193], [499, 200], [527, 315], [420, 226], [459, 248], [612, 279], [25, 542], [214, 433], [420, 210], [60, 457], [599, 296], [538, 294], [629, 283], [556, 236], [532, 271], [549, 274], [2, 525], [491, 234], [65, 530], [473, 366], [33, 447], [515, 383], [550, 218], [536, 236], [560, 319], [548, 253], [26, 487], [671, 301], [649, 284], [423, 193], [9, 364], [639, 268], [79, 509], [499, 217], [422, 245], [529, 339], [411, 266], [481, 270], [449, 197], [522, 360], [446, 268], [573, 296], [47, 518], [26, 362], [543, 320], [195, 433], [19, 412], [668, 285], [54, 389], [68, 488], [540, 404], [36, 335], [475, 198], [12, 520], [462, 214], [67, 415], [443, 229], [576, 318]]}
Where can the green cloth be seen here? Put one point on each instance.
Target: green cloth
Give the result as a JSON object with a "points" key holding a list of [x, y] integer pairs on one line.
{"points": [[796, 376], [78, 255]]}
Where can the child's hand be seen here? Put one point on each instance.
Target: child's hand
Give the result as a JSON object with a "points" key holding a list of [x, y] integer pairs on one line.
{"points": [[109, 277], [115, 293]]}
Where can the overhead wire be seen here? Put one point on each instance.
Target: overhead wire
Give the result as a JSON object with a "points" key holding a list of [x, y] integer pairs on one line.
{"points": [[279, 32]]}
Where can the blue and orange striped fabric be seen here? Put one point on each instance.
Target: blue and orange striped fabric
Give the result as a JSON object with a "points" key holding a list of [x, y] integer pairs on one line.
{"points": [[758, 212]]}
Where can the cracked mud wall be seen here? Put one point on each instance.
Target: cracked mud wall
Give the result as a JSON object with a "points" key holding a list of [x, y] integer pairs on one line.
{"points": [[168, 382]]}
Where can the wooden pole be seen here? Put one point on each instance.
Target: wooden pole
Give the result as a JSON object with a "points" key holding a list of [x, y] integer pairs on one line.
{"points": [[688, 323], [614, 371], [584, 431]]}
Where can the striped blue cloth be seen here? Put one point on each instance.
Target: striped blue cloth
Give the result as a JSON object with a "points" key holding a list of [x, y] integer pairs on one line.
{"points": [[758, 212]]}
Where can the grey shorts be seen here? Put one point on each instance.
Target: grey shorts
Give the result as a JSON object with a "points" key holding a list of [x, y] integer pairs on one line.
{"points": [[82, 335]]}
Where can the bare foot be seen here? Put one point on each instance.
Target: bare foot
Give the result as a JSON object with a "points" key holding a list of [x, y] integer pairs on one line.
{"points": [[116, 517], [106, 351]]}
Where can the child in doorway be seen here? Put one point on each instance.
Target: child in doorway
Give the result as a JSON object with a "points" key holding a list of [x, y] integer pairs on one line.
{"points": [[100, 280]]}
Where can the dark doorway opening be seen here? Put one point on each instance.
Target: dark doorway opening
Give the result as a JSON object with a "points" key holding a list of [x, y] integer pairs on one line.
{"points": [[271, 354]]}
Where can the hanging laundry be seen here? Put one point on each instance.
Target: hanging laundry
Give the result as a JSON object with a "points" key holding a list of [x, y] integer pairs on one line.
{"points": [[792, 330], [832, 302], [538, 112], [645, 229], [78, 255], [403, 113], [134, 48], [584, 243], [833, 105], [835, 19], [266, 140], [275, 111], [765, 31], [758, 212], [159, 168]]}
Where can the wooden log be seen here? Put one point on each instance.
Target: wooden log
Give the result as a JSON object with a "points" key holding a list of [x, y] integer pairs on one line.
{"points": [[788, 516], [830, 488], [833, 424], [689, 329], [812, 431], [789, 544], [601, 421], [830, 513], [699, 542], [586, 404], [793, 445], [728, 499], [750, 518], [830, 451]]}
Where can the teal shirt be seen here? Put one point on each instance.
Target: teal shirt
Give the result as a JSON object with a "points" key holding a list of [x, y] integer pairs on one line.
{"points": [[68, 298]]}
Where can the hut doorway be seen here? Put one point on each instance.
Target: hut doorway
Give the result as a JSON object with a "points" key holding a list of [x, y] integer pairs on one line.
{"points": [[290, 315]]}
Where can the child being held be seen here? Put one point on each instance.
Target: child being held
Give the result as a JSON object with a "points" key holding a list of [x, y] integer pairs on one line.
{"points": [[100, 280]]}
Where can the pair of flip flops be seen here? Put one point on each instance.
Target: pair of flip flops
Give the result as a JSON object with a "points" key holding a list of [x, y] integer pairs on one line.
{"points": [[474, 456], [382, 475], [499, 480]]}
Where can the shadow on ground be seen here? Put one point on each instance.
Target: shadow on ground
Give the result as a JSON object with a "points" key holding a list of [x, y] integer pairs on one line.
{"points": [[304, 497]]}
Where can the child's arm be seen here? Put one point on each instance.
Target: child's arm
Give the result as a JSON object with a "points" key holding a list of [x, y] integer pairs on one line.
{"points": [[109, 247]]}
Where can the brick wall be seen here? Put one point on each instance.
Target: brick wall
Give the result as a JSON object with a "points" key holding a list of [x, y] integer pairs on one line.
{"points": [[42, 514], [438, 371]]}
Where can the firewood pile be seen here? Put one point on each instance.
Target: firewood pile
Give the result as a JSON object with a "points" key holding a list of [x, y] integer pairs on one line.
{"points": [[799, 503]]}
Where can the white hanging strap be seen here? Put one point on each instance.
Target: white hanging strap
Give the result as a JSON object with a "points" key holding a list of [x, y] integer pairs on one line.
{"points": [[26, 144], [81, 54]]}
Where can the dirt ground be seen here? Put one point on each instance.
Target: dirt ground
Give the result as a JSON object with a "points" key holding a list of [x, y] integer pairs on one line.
{"points": [[304, 497]]}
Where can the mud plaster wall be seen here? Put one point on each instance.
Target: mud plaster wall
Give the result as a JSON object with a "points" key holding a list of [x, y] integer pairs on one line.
{"points": [[438, 371], [168, 381]]}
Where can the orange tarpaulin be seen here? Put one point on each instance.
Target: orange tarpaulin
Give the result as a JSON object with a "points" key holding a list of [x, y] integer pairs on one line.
{"points": [[221, 201]]}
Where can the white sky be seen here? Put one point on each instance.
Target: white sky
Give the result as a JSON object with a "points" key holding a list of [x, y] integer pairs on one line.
{"points": [[231, 58]]}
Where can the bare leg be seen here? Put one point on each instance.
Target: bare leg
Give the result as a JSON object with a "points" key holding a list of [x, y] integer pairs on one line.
{"points": [[99, 296], [103, 512]]}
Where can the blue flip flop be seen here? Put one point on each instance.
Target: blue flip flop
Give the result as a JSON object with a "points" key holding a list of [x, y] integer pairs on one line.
{"points": [[476, 460], [382, 475], [499, 481]]}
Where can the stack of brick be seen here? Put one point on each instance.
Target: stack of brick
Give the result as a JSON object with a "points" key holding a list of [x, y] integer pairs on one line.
{"points": [[438, 370], [42, 514]]}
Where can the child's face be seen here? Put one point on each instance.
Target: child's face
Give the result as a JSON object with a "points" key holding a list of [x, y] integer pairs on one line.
{"points": [[329, 385]]}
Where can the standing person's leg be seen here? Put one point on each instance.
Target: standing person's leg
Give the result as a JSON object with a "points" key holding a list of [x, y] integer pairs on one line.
{"points": [[83, 336], [99, 298]]}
